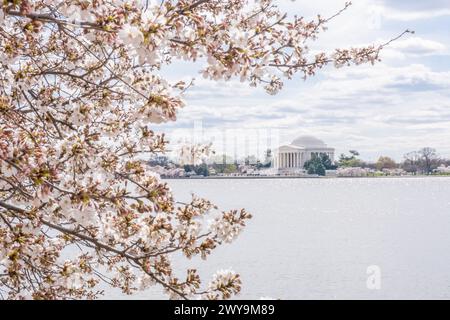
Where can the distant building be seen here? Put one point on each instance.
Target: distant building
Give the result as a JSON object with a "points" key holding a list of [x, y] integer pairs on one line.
{"points": [[292, 157]]}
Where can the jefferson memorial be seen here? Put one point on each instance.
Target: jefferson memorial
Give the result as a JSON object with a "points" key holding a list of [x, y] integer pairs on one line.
{"points": [[292, 157]]}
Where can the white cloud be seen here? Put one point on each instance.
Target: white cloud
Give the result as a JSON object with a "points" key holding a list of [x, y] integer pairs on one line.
{"points": [[418, 46], [406, 10], [205, 88], [391, 108], [416, 5], [382, 77], [415, 15]]}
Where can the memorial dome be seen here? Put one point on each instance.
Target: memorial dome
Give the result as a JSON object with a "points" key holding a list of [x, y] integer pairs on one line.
{"points": [[308, 142]]}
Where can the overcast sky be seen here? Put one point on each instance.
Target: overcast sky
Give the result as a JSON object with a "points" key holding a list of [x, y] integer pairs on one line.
{"points": [[398, 105]]}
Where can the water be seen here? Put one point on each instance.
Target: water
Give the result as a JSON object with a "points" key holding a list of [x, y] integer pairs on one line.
{"points": [[315, 238]]}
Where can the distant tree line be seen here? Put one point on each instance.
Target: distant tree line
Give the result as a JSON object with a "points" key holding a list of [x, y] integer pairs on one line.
{"points": [[423, 161]]}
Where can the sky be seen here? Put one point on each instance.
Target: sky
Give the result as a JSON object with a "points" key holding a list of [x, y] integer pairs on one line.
{"points": [[399, 105]]}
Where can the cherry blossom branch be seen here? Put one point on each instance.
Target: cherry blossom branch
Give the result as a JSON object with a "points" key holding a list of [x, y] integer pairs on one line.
{"points": [[96, 243]]}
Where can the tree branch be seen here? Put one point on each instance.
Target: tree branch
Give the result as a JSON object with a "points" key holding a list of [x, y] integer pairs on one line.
{"points": [[96, 243]]}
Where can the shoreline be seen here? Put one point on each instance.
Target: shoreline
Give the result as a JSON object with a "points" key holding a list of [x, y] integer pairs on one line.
{"points": [[300, 177]]}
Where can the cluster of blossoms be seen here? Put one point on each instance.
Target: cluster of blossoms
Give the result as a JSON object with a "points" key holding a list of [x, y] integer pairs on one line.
{"points": [[194, 154], [224, 284], [443, 169], [168, 172], [79, 92], [353, 172]]}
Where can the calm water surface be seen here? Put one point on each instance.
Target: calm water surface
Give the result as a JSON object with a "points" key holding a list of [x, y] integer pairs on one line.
{"points": [[315, 238]]}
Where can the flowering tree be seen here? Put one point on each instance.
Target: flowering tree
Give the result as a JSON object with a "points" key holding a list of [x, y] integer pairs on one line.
{"points": [[80, 90]]}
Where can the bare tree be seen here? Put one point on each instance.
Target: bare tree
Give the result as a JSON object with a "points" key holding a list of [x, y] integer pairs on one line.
{"points": [[424, 161], [411, 162], [429, 159]]}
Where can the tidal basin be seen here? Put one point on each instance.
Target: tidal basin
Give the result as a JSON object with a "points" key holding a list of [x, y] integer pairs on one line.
{"points": [[316, 238]]}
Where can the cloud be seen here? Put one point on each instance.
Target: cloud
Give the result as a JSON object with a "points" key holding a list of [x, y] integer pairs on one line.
{"points": [[415, 15], [406, 10], [383, 78], [391, 108], [368, 108], [419, 47], [429, 118], [416, 5], [204, 88]]}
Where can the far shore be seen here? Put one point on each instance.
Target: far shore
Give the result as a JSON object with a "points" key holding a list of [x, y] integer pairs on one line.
{"points": [[305, 177]]}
